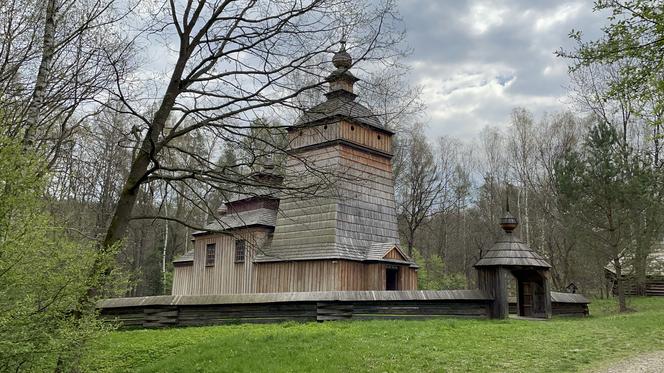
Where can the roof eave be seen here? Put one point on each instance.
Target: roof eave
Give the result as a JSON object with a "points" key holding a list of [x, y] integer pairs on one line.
{"points": [[334, 118], [225, 231]]}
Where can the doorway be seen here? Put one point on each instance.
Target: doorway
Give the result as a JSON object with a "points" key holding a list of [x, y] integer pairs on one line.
{"points": [[531, 294], [525, 299], [392, 278]]}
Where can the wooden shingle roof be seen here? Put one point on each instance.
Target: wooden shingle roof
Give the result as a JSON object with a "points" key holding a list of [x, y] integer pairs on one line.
{"points": [[557, 297], [322, 296], [262, 217], [340, 103], [186, 257], [510, 251], [346, 223], [655, 265], [377, 251], [341, 106]]}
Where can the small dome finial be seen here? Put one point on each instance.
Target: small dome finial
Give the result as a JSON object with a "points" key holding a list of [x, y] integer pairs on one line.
{"points": [[508, 222], [341, 59]]}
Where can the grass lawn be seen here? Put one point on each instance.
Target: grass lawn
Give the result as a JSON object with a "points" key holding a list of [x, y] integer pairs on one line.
{"points": [[441, 345]]}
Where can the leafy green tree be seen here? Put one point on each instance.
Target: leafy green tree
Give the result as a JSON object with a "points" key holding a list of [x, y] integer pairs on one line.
{"points": [[601, 188], [634, 41], [43, 274], [432, 275]]}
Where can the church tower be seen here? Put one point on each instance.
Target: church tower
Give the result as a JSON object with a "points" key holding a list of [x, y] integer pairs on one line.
{"points": [[345, 212]]}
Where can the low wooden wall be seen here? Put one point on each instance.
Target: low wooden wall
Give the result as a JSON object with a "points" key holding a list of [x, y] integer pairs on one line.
{"points": [[566, 304], [194, 310], [163, 311], [563, 304], [654, 287]]}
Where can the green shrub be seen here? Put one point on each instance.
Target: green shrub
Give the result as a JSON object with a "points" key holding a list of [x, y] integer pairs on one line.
{"points": [[45, 320]]}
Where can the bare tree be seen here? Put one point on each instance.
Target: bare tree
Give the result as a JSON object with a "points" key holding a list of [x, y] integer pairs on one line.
{"points": [[521, 144], [418, 185], [56, 57]]}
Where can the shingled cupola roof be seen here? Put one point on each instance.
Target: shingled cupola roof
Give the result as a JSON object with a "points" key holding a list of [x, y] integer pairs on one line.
{"points": [[340, 103], [509, 250]]}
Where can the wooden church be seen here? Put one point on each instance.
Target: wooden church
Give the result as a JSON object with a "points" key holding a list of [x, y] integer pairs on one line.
{"points": [[343, 237]]}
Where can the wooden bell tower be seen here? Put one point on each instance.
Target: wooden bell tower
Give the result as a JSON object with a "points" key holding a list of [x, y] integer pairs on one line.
{"points": [[510, 258]]}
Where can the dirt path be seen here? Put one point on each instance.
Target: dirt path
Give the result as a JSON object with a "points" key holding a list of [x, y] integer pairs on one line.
{"points": [[652, 362]]}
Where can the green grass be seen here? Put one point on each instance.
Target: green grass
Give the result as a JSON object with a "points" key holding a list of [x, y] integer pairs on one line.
{"points": [[441, 345]]}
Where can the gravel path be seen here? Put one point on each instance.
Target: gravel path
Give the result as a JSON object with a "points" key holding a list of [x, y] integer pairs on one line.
{"points": [[652, 362]]}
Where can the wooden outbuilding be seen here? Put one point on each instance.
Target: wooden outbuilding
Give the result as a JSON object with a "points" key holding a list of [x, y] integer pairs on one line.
{"points": [[341, 238], [654, 274], [508, 259]]}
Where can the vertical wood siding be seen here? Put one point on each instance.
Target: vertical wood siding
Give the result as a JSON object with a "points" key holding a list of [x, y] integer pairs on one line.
{"points": [[226, 276], [366, 136], [352, 275], [375, 276], [182, 279], [313, 275], [407, 278], [394, 254], [313, 135], [327, 275], [343, 130]]}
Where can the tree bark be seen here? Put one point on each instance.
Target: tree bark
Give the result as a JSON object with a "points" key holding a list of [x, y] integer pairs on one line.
{"points": [[620, 283], [150, 147], [48, 50], [640, 262]]}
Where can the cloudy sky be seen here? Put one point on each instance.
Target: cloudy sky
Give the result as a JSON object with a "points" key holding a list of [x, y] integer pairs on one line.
{"points": [[476, 60]]}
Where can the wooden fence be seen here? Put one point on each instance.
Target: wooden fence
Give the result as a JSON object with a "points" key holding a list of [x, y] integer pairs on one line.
{"points": [[163, 311]]}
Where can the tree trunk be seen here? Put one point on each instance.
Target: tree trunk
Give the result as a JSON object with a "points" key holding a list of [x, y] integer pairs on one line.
{"points": [[120, 220], [640, 262], [622, 303], [139, 167], [163, 252], [48, 50]]}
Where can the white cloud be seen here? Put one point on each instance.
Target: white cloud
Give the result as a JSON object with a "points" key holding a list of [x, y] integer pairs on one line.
{"points": [[463, 102], [482, 17], [564, 12], [478, 60]]}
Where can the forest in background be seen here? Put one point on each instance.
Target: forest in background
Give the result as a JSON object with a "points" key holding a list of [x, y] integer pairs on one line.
{"points": [[111, 158]]}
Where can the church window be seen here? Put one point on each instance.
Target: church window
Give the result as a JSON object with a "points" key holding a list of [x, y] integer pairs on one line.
{"points": [[210, 251], [240, 251]]}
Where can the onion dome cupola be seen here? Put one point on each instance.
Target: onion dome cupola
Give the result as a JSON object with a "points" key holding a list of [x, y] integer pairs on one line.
{"points": [[509, 250], [342, 80], [340, 103]]}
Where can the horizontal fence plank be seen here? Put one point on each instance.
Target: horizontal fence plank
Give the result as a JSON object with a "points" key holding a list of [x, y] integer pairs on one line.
{"points": [[411, 305]]}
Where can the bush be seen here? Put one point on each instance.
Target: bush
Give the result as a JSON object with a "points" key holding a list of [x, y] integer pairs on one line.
{"points": [[432, 276], [45, 315]]}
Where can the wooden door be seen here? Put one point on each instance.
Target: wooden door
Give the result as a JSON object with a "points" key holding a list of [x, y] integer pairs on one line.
{"points": [[525, 298], [539, 300]]}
